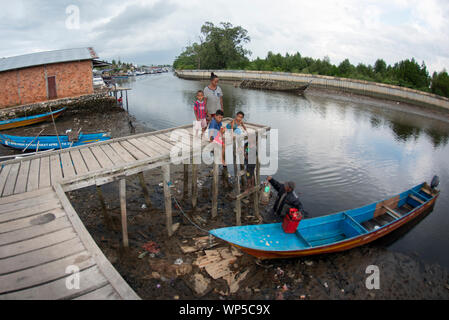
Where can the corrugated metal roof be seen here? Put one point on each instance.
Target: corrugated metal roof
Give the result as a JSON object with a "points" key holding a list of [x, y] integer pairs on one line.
{"points": [[47, 57]]}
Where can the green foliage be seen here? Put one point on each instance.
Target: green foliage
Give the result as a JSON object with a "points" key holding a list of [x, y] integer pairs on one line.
{"points": [[221, 47]]}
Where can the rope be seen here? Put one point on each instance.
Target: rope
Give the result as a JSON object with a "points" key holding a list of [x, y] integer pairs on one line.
{"points": [[185, 215]]}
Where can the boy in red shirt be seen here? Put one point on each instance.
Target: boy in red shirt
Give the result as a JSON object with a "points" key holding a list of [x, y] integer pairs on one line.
{"points": [[200, 110]]}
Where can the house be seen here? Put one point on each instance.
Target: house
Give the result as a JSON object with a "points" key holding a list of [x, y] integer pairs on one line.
{"points": [[43, 76]]}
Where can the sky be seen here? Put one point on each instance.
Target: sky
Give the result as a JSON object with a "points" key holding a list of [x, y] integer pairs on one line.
{"points": [[156, 31]]}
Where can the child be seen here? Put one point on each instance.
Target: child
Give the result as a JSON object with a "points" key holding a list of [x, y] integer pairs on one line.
{"points": [[200, 111], [236, 123], [216, 132]]}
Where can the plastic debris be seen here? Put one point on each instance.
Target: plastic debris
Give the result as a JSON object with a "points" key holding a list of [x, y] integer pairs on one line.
{"points": [[143, 254], [179, 262], [151, 247], [309, 263], [144, 206]]}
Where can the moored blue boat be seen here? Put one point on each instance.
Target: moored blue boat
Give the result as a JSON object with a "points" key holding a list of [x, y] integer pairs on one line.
{"points": [[26, 121], [50, 142], [335, 232]]}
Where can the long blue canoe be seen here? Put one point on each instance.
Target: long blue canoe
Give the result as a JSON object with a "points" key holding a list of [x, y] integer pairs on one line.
{"points": [[26, 121], [50, 142], [335, 232]]}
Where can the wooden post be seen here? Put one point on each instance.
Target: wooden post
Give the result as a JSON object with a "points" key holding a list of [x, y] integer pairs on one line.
{"points": [[238, 203], [146, 193], [126, 92], [194, 186], [257, 183], [215, 182], [106, 217], [186, 182], [124, 215], [167, 197]]}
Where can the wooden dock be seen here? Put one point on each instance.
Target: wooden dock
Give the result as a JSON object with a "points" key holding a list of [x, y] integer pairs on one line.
{"points": [[41, 235]]}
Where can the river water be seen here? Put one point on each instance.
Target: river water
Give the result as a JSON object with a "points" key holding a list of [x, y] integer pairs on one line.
{"points": [[343, 151]]}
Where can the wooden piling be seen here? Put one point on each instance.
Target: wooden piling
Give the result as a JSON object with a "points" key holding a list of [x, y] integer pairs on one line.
{"points": [[257, 183], [167, 198], [106, 217], [194, 186], [146, 193], [186, 182], [123, 210], [238, 202], [217, 158]]}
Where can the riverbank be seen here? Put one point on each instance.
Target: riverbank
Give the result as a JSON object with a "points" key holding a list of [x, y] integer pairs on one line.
{"points": [[171, 273], [373, 89]]}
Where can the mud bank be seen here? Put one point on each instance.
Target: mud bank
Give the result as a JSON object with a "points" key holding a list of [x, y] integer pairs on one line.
{"points": [[171, 273]]}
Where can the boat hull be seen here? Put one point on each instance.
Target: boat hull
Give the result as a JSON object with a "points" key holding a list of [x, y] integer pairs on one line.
{"points": [[27, 121], [344, 244], [50, 142]]}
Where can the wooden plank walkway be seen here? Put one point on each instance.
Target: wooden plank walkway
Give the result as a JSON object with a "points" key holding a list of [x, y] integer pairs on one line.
{"points": [[40, 232]]}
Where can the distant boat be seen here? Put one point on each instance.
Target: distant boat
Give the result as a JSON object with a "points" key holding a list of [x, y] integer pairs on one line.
{"points": [[51, 142], [274, 85], [333, 233], [26, 121]]}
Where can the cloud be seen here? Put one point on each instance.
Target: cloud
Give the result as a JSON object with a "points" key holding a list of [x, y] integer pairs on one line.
{"points": [[155, 29]]}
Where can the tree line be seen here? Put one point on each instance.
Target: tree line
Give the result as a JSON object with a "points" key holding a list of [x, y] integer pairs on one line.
{"points": [[222, 47]]}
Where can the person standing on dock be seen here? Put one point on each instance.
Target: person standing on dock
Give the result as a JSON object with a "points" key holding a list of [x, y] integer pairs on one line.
{"points": [[200, 111], [214, 96]]}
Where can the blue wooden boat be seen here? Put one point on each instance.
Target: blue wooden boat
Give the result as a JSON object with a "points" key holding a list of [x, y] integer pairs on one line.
{"points": [[26, 121], [50, 142], [335, 232]]}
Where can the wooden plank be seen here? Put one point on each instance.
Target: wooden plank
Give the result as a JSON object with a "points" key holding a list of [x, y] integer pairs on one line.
{"points": [[162, 140], [28, 203], [4, 176], [144, 148], [40, 256], [78, 162], [31, 221], [104, 293], [25, 196], [11, 180], [122, 288], [102, 157], [416, 198], [34, 231], [43, 241], [44, 173], [55, 168], [133, 150], [125, 155], [22, 178], [33, 176], [115, 158], [30, 211], [90, 279], [44, 273], [393, 212], [153, 147], [90, 160], [68, 169], [157, 144], [194, 185]]}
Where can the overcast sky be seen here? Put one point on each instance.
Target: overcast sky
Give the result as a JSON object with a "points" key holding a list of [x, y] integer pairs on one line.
{"points": [[155, 31]]}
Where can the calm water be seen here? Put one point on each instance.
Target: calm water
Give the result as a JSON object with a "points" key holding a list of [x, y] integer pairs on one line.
{"points": [[342, 152]]}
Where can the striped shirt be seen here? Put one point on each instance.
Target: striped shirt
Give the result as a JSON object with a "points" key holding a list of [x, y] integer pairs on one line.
{"points": [[200, 109]]}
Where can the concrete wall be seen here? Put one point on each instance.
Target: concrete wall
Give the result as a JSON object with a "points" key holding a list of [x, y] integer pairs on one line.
{"points": [[29, 85], [358, 86]]}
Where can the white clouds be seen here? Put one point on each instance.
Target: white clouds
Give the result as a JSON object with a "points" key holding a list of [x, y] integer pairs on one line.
{"points": [[359, 30]]}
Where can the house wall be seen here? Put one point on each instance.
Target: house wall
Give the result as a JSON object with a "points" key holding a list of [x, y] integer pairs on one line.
{"points": [[29, 85]]}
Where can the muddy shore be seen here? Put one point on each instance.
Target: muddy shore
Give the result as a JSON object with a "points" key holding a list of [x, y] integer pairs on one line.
{"points": [[156, 276]]}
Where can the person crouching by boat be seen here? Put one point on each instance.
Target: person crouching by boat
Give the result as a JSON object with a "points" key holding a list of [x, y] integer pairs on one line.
{"points": [[287, 198]]}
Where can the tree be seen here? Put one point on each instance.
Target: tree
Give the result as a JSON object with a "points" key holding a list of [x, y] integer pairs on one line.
{"points": [[220, 47], [380, 66], [440, 83]]}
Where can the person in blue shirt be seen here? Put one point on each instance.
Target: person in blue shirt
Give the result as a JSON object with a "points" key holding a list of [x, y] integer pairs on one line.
{"points": [[215, 125]]}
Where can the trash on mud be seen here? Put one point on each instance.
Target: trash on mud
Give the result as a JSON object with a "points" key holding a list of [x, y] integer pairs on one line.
{"points": [[151, 247], [201, 243], [309, 263], [144, 206], [199, 284], [179, 261], [143, 254]]}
